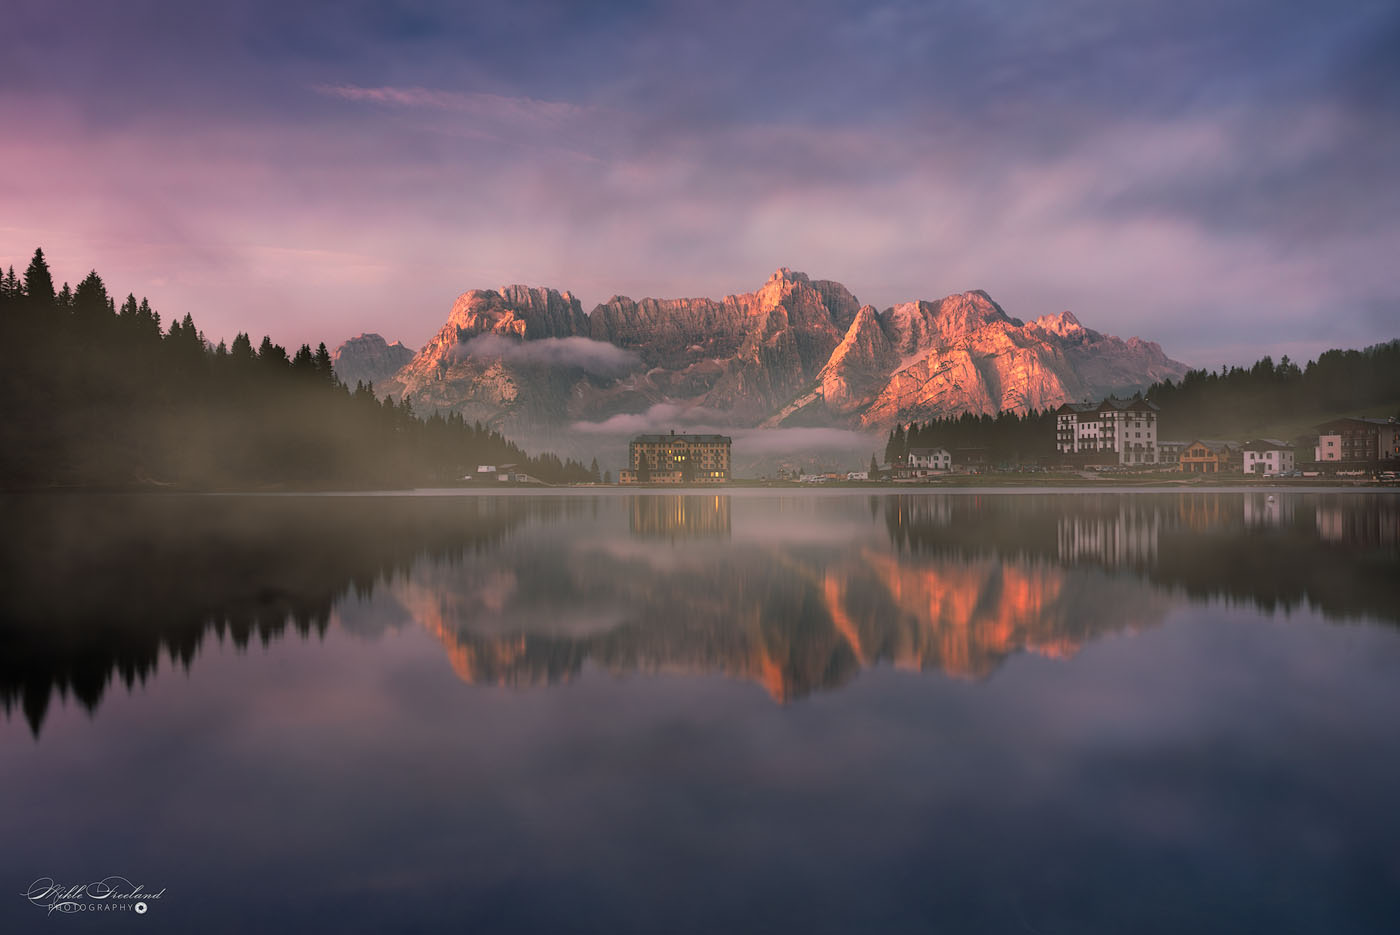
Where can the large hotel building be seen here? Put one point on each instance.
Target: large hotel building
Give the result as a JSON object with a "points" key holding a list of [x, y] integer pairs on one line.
{"points": [[1115, 431], [677, 459]]}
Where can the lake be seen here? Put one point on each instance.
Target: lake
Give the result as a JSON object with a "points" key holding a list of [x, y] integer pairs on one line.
{"points": [[741, 711]]}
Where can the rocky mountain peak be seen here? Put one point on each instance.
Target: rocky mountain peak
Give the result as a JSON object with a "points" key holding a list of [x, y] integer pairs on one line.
{"points": [[796, 351], [368, 358], [784, 274], [525, 312], [1063, 324], [970, 310]]}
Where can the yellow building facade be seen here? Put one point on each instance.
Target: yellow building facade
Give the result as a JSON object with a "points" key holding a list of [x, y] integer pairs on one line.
{"points": [[677, 459]]}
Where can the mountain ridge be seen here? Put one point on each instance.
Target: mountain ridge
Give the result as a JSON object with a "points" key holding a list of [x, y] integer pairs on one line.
{"points": [[795, 351]]}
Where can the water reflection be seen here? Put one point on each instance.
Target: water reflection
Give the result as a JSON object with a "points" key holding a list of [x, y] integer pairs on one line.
{"points": [[1337, 552], [679, 517], [796, 594]]}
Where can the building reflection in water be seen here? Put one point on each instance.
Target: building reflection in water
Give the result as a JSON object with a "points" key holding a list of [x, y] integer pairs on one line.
{"points": [[671, 516], [1377, 529], [1129, 538], [530, 591]]}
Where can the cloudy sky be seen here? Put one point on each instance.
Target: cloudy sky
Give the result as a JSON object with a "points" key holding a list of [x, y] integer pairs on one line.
{"points": [[1223, 177]]}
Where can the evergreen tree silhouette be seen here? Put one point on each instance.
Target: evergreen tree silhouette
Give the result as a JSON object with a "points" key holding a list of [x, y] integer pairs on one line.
{"points": [[90, 300], [324, 368], [38, 281]]}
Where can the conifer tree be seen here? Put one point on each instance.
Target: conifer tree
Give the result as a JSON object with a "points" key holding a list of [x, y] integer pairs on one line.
{"points": [[38, 281], [90, 301], [303, 364], [150, 319], [10, 286], [242, 350], [324, 368]]}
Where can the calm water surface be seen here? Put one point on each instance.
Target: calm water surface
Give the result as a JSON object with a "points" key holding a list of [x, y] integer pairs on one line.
{"points": [[820, 712]]}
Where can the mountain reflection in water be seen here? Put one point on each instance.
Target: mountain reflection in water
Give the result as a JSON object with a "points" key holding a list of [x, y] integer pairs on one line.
{"points": [[797, 593]]}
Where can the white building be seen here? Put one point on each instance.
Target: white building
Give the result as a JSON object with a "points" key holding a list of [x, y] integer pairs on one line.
{"points": [[923, 462], [1267, 456], [1114, 432], [858, 475]]}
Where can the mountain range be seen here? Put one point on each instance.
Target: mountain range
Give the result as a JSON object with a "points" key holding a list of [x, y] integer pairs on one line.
{"points": [[795, 352]]}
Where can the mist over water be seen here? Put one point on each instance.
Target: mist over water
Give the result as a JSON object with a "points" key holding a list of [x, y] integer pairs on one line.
{"points": [[691, 712]]}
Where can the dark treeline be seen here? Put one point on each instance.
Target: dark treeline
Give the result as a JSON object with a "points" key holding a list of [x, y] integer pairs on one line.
{"points": [[106, 588], [100, 394], [1007, 437], [1204, 404]]}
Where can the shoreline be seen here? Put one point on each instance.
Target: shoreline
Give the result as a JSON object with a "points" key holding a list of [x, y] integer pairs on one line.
{"points": [[968, 483]]}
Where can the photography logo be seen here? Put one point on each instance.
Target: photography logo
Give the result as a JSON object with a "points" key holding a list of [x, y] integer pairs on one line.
{"points": [[110, 894]]}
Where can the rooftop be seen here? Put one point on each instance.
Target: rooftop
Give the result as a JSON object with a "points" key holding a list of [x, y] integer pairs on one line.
{"points": [[1216, 444], [685, 437], [1141, 405]]}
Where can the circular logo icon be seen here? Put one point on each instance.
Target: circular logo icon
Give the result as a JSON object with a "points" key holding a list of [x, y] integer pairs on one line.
{"points": [[140, 908]]}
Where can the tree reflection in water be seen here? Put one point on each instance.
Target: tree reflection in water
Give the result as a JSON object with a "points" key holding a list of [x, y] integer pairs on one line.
{"points": [[795, 593]]}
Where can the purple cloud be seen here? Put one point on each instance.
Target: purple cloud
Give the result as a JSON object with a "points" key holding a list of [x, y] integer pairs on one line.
{"points": [[1171, 170]]}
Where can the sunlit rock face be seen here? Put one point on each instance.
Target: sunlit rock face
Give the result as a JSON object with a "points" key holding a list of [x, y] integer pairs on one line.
{"points": [[487, 387], [963, 353], [795, 352], [368, 358]]}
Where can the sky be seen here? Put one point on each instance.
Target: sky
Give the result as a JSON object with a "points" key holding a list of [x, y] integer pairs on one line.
{"points": [[1223, 178]]}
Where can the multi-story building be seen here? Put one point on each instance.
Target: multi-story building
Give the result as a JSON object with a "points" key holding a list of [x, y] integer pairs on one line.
{"points": [[678, 459], [1209, 456], [1267, 456], [1169, 454], [1358, 440], [1388, 440], [1113, 432], [923, 462]]}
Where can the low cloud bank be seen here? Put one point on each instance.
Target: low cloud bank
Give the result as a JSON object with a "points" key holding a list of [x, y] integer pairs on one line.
{"points": [[748, 442], [597, 357], [661, 417], [797, 441]]}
